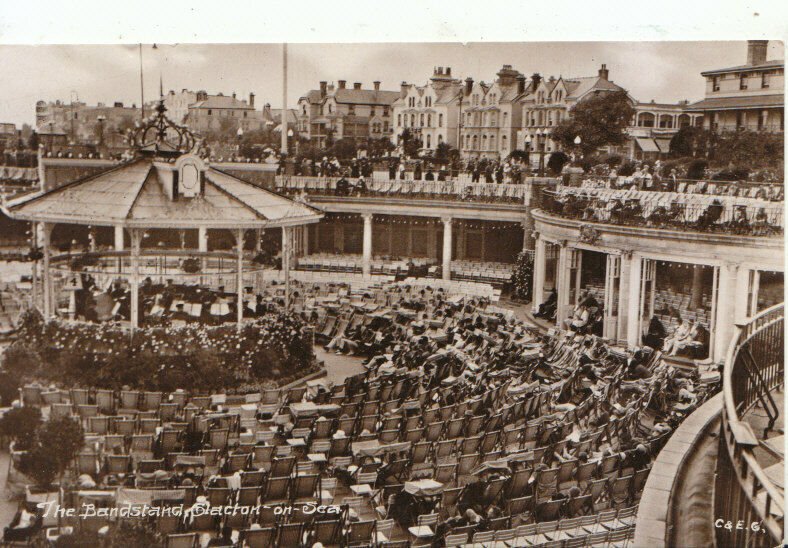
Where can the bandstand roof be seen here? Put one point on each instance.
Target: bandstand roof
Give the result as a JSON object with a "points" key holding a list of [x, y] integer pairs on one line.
{"points": [[137, 194]]}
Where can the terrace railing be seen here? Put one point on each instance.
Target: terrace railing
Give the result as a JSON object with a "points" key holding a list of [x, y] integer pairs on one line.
{"points": [[744, 494], [452, 190], [738, 216]]}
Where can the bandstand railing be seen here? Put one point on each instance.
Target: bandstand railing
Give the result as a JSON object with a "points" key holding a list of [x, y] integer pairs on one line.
{"points": [[744, 495]]}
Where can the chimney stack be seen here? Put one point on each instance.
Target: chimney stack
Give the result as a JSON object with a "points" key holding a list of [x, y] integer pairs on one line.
{"points": [[403, 89], [756, 51], [356, 85], [376, 83], [536, 79], [448, 71], [341, 83], [251, 99], [520, 84], [603, 72], [323, 85], [468, 85], [233, 95]]}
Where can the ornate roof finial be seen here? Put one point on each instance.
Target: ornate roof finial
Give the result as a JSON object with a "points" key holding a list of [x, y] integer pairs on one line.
{"points": [[160, 136]]}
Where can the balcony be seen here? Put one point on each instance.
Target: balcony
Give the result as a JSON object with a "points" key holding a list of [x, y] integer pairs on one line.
{"points": [[750, 484]]}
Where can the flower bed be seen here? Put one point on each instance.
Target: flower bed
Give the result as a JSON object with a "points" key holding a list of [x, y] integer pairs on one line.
{"points": [[269, 350]]}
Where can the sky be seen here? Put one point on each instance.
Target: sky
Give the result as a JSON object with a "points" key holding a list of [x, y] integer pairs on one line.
{"points": [[663, 71]]}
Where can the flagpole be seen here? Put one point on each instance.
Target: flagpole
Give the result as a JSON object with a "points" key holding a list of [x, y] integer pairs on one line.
{"points": [[284, 99], [142, 92]]}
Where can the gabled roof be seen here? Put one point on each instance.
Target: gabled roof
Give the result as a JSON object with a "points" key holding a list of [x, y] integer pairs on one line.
{"points": [[135, 194], [774, 64], [578, 87]]}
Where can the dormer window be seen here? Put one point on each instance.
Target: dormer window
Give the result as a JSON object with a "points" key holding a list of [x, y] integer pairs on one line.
{"points": [[764, 80], [742, 82], [715, 83]]}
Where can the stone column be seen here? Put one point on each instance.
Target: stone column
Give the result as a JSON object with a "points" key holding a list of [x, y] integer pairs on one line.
{"points": [[633, 302], [447, 222], [696, 293], [540, 260], [562, 282], [741, 297], [623, 295], [119, 238], [366, 256], [202, 239], [725, 313], [528, 233]]}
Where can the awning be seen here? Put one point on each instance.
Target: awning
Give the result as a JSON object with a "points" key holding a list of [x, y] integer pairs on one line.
{"points": [[647, 145], [663, 144]]}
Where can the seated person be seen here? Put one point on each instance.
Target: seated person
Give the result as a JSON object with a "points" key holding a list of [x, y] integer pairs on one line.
{"points": [[547, 309], [681, 338], [579, 319], [655, 336], [343, 187], [698, 345]]}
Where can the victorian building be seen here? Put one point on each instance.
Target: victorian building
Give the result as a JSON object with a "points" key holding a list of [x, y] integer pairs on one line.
{"points": [[748, 96], [429, 113], [491, 115], [338, 112]]}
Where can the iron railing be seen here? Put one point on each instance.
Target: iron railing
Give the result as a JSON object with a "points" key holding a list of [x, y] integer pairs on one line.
{"points": [[744, 494]]}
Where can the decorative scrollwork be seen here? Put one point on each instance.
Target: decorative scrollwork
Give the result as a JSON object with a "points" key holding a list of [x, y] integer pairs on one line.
{"points": [[161, 136], [589, 234]]}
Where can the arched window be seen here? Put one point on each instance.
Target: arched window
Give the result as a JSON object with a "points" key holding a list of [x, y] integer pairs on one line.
{"points": [[429, 120], [440, 120], [503, 142], [440, 139], [429, 141], [505, 118], [484, 142], [421, 120], [475, 142], [412, 120]]}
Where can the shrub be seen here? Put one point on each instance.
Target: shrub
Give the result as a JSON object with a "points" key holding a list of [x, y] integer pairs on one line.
{"points": [[556, 162], [732, 174], [523, 276], [697, 169], [627, 168], [20, 424], [56, 444]]}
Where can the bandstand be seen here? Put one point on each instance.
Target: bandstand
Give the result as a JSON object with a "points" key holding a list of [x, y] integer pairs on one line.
{"points": [[165, 185]]}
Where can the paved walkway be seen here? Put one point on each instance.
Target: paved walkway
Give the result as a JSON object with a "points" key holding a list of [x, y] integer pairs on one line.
{"points": [[339, 367]]}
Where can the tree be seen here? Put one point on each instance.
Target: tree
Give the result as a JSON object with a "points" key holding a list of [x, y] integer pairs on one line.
{"points": [[689, 141], [56, 445], [556, 162], [600, 120], [344, 148], [410, 144]]}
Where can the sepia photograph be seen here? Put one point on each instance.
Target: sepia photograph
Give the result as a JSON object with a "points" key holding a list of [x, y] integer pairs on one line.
{"points": [[448, 293]]}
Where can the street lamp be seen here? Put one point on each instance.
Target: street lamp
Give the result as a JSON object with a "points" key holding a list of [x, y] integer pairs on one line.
{"points": [[578, 140]]}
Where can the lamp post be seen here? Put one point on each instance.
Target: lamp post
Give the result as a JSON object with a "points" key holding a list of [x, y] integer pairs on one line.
{"points": [[101, 119], [578, 140]]}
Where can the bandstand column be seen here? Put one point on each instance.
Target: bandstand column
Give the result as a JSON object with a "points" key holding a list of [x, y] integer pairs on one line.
{"points": [[239, 241], [136, 239], [119, 238], [447, 222], [46, 237], [623, 295], [540, 258], [741, 298], [366, 257], [286, 263], [725, 314]]}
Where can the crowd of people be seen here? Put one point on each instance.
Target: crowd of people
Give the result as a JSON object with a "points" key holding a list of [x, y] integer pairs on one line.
{"points": [[465, 422]]}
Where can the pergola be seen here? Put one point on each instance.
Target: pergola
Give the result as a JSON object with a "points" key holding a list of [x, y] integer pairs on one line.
{"points": [[166, 185]]}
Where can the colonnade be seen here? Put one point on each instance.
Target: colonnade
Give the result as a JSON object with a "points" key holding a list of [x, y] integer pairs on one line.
{"points": [[628, 294]]}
